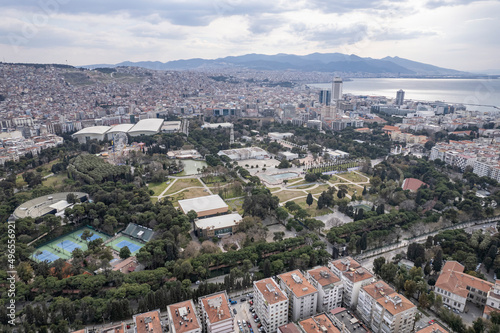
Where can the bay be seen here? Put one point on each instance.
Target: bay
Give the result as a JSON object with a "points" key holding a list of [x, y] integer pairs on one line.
{"points": [[477, 94]]}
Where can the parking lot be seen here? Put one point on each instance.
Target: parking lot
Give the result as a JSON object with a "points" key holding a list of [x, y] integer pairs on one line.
{"points": [[243, 313]]}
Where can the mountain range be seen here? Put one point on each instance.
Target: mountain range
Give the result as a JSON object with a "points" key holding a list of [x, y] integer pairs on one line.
{"points": [[321, 62]]}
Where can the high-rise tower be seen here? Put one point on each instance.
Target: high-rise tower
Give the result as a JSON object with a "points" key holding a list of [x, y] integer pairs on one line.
{"points": [[400, 97], [325, 97], [336, 91]]}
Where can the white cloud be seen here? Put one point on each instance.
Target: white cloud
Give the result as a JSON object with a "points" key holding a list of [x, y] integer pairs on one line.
{"points": [[458, 34]]}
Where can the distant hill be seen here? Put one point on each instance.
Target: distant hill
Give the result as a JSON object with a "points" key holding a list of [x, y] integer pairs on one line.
{"points": [[321, 62]]}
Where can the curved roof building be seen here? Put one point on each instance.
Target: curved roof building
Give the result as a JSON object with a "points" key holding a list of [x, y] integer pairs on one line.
{"points": [[146, 127], [91, 133], [121, 128]]}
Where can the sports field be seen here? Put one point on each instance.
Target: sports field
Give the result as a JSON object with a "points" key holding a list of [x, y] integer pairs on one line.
{"points": [[63, 246], [121, 241]]}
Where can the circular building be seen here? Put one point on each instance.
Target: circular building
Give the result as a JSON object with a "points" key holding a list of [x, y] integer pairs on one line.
{"points": [[48, 204]]}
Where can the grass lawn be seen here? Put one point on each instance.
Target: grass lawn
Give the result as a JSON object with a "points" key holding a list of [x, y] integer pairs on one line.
{"points": [[319, 189], [274, 188], [216, 179], [154, 200], [287, 195], [182, 184], [294, 180], [303, 187], [158, 187], [302, 182], [353, 177], [312, 210], [188, 194], [351, 188], [236, 205], [55, 180], [20, 181]]}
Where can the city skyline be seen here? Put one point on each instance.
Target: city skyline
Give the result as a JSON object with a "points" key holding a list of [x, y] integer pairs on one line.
{"points": [[443, 33]]}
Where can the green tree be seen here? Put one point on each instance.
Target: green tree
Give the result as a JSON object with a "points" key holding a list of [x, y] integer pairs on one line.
{"points": [[25, 271], [278, 236], [438, 261], [479, 326], [266, 268], [377, 265], [125, 252], [309, 199], [281, 214], [388, 272]]}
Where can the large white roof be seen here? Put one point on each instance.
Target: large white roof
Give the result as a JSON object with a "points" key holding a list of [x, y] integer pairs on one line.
{"points": [[93, 130], [212, 126], [145, 125], [219, 222], [120, 128], [202, 204]]}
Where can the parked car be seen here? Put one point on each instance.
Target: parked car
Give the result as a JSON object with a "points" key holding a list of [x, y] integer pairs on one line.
{"points": [[243, 299], [251, 302], [234, 311], [249, 325], [234, 302]]}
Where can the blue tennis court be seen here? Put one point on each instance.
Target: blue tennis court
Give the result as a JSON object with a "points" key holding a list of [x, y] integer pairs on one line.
{"points": [[46, 256], [94, 236], [131, 246], [68, 245]]}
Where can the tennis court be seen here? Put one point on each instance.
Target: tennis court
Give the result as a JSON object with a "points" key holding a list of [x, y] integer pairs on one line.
{"points": [[133, 245], [68, 245], [63, 246], [44, 255], [94, 236]]}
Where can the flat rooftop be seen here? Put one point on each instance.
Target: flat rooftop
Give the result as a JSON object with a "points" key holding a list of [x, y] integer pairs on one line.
{"points": [[148, 322], [346, 318], [219, 222], [324, 276], [270, 291], [216, 307], [202, 204], [297, 283], [183, 317], [318, 324]]}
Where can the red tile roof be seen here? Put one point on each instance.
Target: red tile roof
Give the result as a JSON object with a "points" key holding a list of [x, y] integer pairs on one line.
{"points": [[412, 184]]}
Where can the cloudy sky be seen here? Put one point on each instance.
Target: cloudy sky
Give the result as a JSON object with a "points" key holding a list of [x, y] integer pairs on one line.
{"points": [[458, 34]]}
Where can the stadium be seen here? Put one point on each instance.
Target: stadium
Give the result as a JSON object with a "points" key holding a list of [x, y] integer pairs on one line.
{"points": [[48, 204]]}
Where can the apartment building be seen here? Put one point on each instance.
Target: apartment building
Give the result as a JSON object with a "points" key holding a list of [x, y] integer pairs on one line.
{"points": [[182, 318], [329, 286], [318, 324], [215, 313], [368, 297], [457, 288], [492, 300], [434, 328], [346, 321], [148, 322], [271, 304], [353, 277], [302, 296], [393, 313]]}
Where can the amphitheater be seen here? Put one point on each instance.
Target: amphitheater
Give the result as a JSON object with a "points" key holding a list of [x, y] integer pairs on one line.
{"points": [[48, 204]]}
